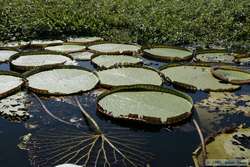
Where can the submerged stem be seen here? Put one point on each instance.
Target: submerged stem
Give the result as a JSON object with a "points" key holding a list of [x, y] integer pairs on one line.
{"points": [[47, 111], [204, 152], [91, 121]]}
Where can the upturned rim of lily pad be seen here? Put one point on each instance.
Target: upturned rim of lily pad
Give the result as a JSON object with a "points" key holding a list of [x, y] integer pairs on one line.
{"points": [[117, 66], [48, 68], [147, 120], [17, 88], [191, 87], [211, 138], [225, 79], [166, 58], [20, 68]]}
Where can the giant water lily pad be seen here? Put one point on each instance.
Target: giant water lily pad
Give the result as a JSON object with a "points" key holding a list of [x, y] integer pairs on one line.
{"points": [[28, 60], [243, 61], [107, 61], [128, 75], [10, 82], [146, 103], [168, 54], [14, 108], [214, 56], [5, 54], [231, 74], [15, 44], [81, 55], [195, 77], [84, 40], [66, 48], [61, 80], [227, 145], [46, 42], [113, 48]]}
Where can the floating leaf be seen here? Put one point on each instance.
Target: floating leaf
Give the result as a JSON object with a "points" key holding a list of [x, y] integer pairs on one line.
{"points": [[243, 61], [29, 60], [14, 108], [16, 44], [195, 77], [66, 48], [146, 103], [61, 80], [168, 54], [10, 82], [227, 145], [5, 54], [107, 61], [231, 74], [215, 56], [45, 43], [82, 55], [112, 48], [84, 40], [23, 145], [128, 75]]}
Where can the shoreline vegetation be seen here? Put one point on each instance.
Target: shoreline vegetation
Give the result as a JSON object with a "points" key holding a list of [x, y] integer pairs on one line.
{"points": [[198, 23]]}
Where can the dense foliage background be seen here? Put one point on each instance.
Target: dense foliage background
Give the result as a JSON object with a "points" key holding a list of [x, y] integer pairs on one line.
{"points": [[219, 22]]}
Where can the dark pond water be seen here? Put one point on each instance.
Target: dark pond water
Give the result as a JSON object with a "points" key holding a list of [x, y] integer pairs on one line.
{"points": [[172, 146]]}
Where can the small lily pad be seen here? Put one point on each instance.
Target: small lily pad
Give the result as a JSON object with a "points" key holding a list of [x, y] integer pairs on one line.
{"points": [[10, 82], [61, 80], [84, 40], [29, 60], [113, 48], [82, 55], [195, 76], [5, 54], [14, 108], [227, 145], [107, 61], [66, 48], [146, 103], [129, 75], [231, 74], [215, 56], [168, 54]]}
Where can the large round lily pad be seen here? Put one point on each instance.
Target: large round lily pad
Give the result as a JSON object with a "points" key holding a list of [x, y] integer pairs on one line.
{"points": [[66, 48], [146, 103], [113, 48], [107, 61], [28, 60], [81, 55], [231, 74], [10, 82], [195, 77], [5, 54], [215, 56], [243, 61], [228, 145], [84, 40], [61, 80], [168, 54], [46, 42], [128, 75]]}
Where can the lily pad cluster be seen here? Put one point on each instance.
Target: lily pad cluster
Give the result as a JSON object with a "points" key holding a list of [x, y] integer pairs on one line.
{"points": [[195, 77], [15, 107]]}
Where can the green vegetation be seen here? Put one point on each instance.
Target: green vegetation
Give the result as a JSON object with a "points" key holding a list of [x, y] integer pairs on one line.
{"points": [[203, 22]]}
